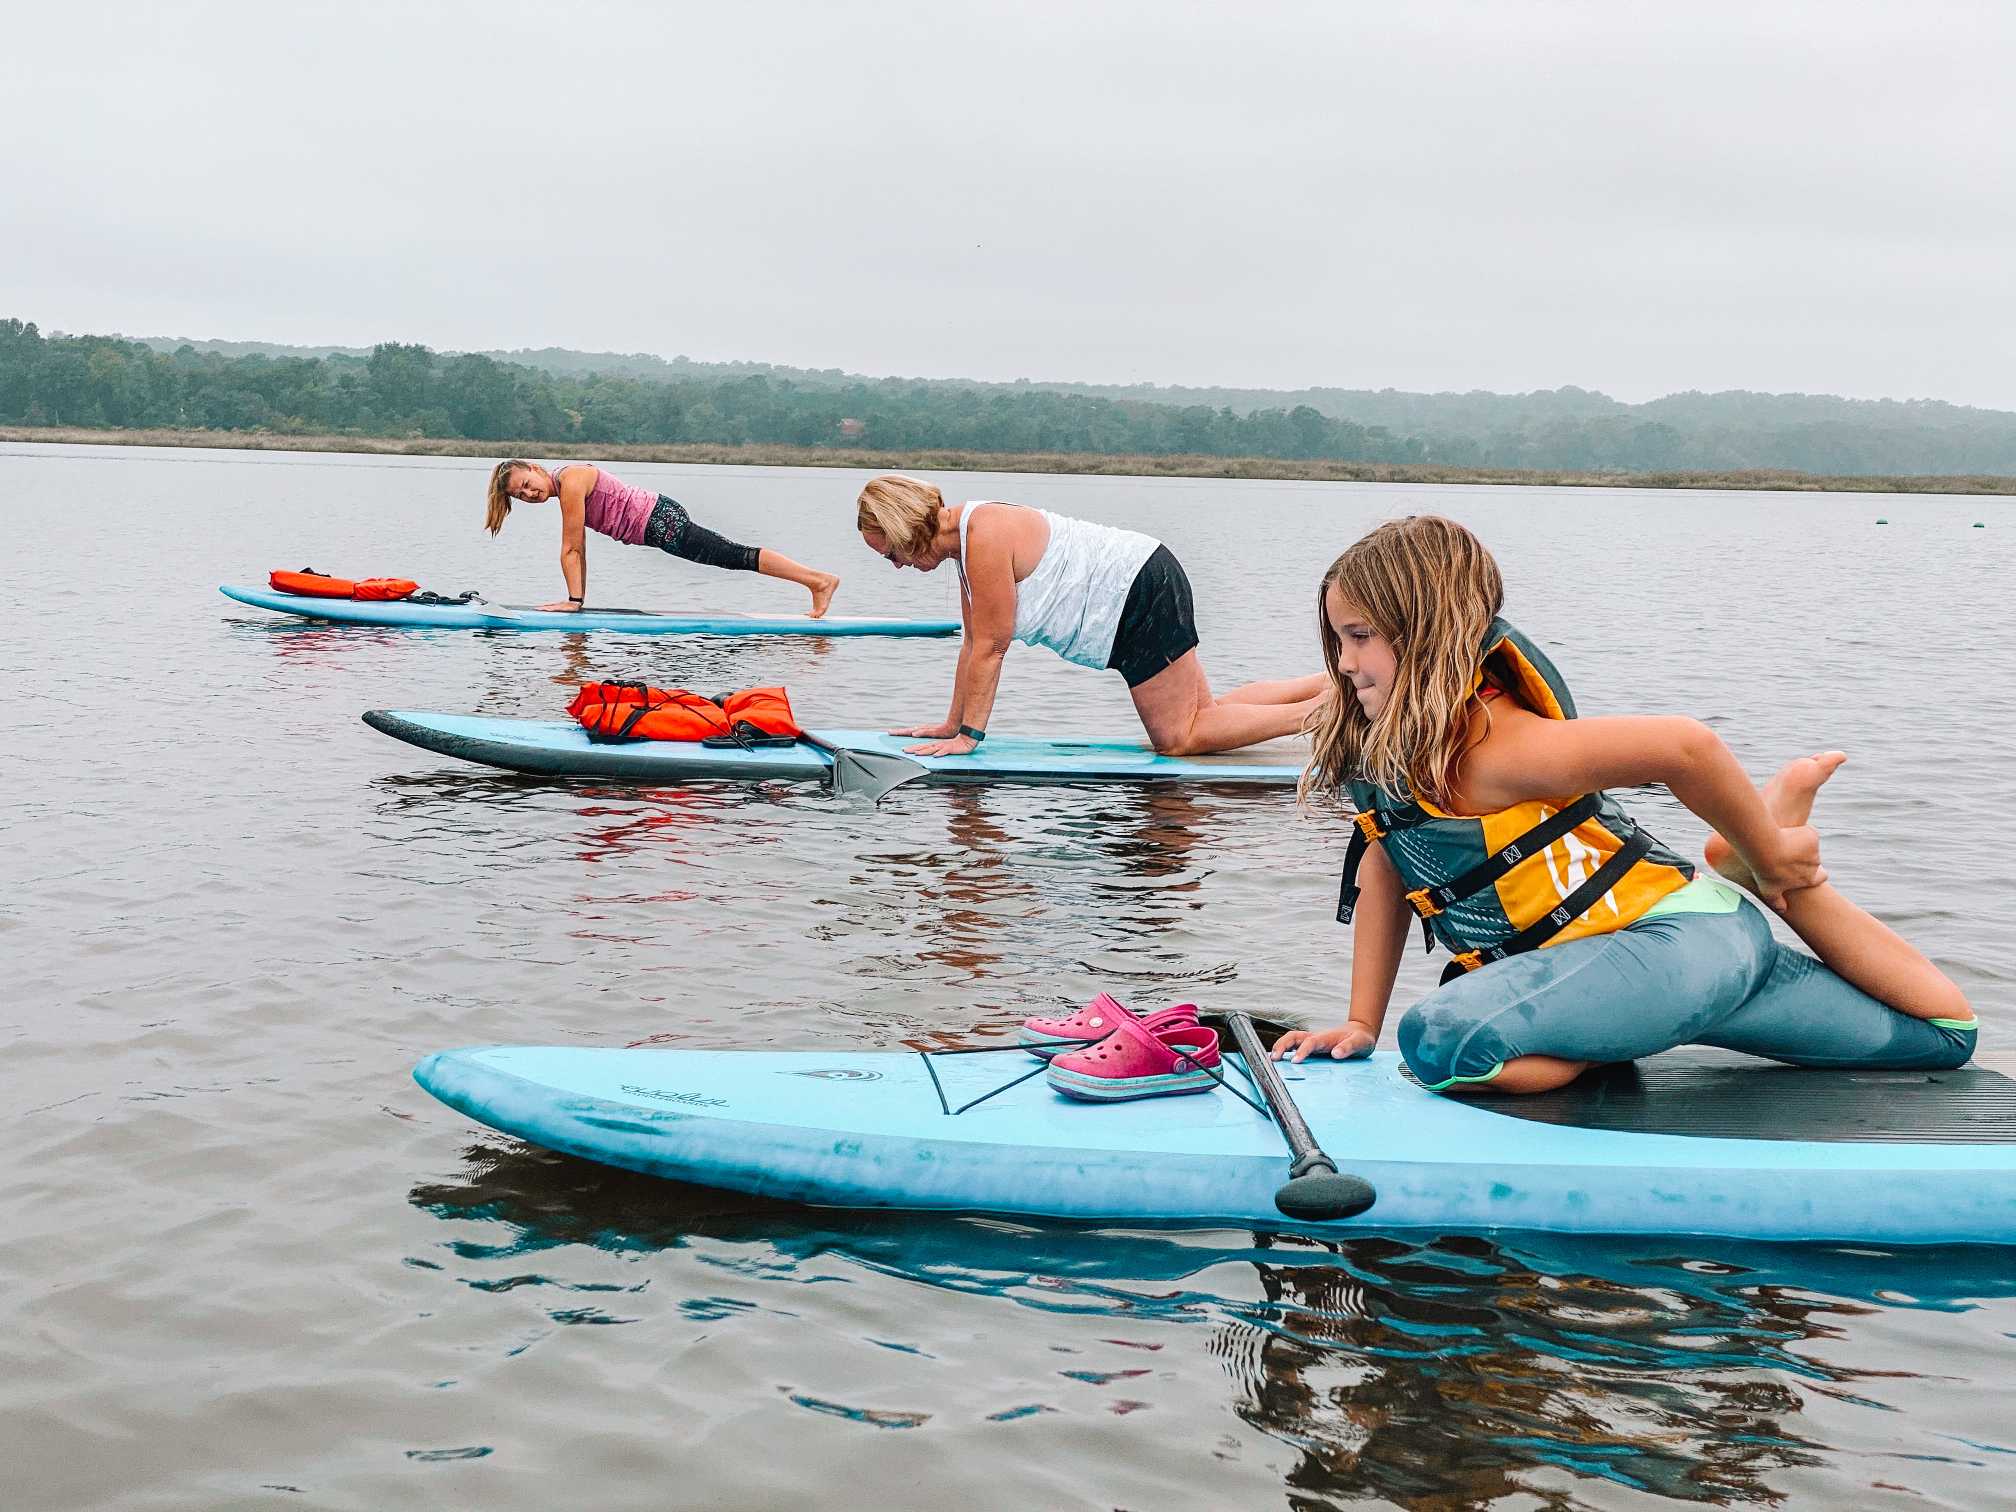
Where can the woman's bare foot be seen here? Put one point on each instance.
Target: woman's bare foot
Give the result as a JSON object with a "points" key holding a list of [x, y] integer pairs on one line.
{"points": [[1788, 797], [822, 592]]}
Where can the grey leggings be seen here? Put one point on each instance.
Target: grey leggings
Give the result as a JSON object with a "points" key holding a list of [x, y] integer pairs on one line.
{"points": [[1677, 979]]}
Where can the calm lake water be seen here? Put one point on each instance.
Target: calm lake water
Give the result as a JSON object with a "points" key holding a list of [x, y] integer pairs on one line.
{"points": [[247, 1263]]}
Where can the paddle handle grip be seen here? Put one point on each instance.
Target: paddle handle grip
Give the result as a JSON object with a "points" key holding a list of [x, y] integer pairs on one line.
{"points": [[1301, 1143]]}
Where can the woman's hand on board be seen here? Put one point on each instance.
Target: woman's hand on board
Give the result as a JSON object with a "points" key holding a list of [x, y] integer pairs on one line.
{"points": [[958, 745], [1345, 1042], [943, 730]]}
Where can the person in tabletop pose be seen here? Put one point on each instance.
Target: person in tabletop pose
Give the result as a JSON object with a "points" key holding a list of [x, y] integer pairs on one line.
{"points": [[1578, 938], [594, 499], [1096, 595]]}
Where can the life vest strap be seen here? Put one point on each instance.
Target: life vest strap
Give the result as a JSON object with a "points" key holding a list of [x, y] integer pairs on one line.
{"points": [[1566, 912], [1347, 889], [1369, 825], [1376, 824], [1430, 901], [642, 706]]}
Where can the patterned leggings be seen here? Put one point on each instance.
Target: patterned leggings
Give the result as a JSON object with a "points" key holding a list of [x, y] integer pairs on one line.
{"points": [[671, 529]]}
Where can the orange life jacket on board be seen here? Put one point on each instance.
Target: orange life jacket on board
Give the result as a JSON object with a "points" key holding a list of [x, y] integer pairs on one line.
{"points": [[615, 711], [308, 583]]}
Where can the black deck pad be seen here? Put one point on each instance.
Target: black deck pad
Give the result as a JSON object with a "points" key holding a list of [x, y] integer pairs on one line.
{"points": [[1268, 1030], [1718, 1094]]}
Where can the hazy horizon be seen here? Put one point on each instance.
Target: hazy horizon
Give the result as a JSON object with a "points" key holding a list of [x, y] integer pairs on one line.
{"points": [[1445, 198], [1030, 378]]}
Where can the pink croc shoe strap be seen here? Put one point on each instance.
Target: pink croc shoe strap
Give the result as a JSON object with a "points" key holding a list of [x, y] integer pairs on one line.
{"points": [[1102, 1015], [1195, 1051], [1170, 1018]]}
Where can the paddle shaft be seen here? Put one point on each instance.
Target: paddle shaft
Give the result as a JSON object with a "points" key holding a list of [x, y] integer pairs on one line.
{"points": [[1288, 1118]]}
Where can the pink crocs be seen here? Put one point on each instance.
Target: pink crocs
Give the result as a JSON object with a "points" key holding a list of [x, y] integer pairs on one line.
{"points": [[1043, 1037], [1140, 1059]]}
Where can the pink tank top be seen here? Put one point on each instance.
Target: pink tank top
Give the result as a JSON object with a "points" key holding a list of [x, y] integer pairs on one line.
{"points": [[614, 508]]}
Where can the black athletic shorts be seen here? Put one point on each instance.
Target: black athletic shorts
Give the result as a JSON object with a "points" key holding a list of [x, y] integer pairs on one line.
{"points": [[1158, 623]]}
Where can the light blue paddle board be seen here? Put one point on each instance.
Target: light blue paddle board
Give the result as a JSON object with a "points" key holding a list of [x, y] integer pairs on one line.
{"points": [[482, 616], [561, 748], [870, 1130]]}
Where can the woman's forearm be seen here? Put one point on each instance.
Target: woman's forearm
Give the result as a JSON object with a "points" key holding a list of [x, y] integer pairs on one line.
{"points": [[574, 568], [983, 680], [961, 674]]}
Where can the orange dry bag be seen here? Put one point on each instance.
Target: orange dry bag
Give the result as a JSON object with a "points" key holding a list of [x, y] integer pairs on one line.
{"points": [[385, 588], [312, 584], [633, 711], [769, 709]]}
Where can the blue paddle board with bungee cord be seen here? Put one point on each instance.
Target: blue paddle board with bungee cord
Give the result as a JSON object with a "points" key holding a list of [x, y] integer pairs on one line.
{"points": [[477, 615], [1690, 1142], [561, 748]]}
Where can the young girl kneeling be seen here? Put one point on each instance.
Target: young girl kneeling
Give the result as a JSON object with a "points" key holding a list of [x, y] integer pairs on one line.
{"points": [[1578, 938]]}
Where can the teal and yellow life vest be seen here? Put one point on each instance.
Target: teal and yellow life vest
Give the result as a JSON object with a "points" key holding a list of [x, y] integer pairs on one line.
{"points": [[1539, 873]]}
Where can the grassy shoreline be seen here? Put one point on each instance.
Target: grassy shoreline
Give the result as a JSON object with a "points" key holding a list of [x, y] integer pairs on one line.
{"points": [[935, 459]]}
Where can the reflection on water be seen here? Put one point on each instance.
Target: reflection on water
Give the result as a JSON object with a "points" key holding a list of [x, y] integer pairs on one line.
{"points": [[234, 917], [1424, 1373]]}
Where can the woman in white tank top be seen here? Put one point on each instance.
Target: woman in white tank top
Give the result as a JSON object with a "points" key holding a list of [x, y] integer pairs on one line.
{"points": [[1094, 594]]}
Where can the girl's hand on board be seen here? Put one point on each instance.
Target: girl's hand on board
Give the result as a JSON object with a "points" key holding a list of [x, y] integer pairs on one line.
{"points": [[1345, 1042]]}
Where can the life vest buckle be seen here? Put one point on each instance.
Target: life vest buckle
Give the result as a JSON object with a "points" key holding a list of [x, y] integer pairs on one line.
{"points": [[1368, 824], [1469, 960], [1423, 900]]}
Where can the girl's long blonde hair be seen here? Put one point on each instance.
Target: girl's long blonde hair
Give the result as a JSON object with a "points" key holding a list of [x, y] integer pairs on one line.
{"points": [[903, 511], [1431, 589], [500, 500]]}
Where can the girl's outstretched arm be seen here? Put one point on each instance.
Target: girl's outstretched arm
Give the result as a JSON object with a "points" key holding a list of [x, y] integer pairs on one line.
{"points": [[1525, 757], [1379, 931]]}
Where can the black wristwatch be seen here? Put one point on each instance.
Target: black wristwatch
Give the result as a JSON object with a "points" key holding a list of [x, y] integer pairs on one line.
{"points": [[574, 598], [976, 736]]}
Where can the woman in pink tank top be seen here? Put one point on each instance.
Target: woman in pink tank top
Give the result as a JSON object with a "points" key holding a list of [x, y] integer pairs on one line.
{"points": [[593, 499]]}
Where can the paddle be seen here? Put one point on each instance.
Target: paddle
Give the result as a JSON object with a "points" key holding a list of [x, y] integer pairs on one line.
{"points": [[865, 774], [856, 773], [1315, 1189]]}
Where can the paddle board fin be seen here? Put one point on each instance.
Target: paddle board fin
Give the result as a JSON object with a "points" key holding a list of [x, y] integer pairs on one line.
{"points": [[870, 774]]}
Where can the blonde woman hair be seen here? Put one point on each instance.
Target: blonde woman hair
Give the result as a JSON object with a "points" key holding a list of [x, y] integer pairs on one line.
{"points": [[500, 500], [1431, 589], [903, 511]]}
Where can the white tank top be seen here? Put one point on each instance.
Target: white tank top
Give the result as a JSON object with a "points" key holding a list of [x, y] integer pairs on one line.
{"points": [[1072, 601]]}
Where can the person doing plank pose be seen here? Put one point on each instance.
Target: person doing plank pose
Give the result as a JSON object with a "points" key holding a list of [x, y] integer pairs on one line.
{"points": [[1098, 596], [593, 499]]}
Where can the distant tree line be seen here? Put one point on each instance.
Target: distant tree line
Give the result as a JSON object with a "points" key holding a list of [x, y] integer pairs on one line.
{"points": [[556, 395], [406, 390]]}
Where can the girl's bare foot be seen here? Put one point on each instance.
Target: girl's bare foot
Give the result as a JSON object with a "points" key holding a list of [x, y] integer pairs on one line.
{"points": [[1788, 797], [822, 592]]}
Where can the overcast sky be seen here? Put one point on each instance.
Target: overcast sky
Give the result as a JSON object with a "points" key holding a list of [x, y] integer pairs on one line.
{"points": [[1632, 197]]}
